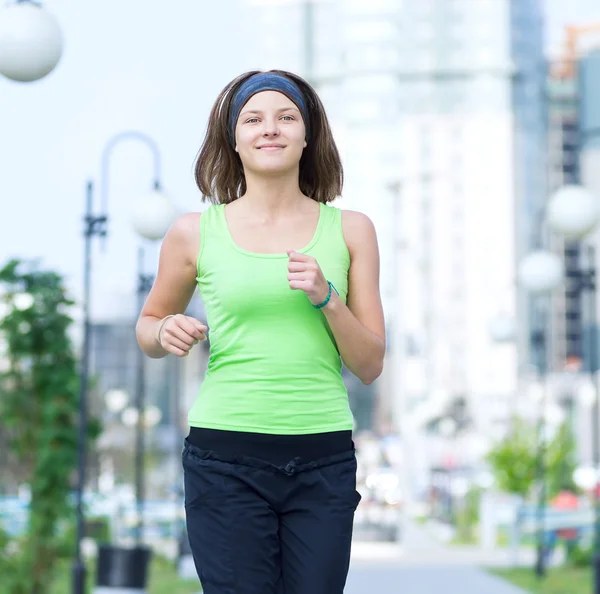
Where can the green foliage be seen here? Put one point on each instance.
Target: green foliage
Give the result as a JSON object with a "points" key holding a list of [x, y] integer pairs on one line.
{"points": [[96, 528], [558, 580], [38, 416], [561, 461], [580, 556], [467, 516], [513, 460], [163, 579]]}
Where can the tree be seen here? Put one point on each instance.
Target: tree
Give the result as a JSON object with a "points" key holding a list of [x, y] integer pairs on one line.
{"points": [[561, 461], [513, 460], [38, 416]]}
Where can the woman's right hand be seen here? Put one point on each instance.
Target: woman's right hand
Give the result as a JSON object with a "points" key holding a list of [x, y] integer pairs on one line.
{"points": [[179, 333]]}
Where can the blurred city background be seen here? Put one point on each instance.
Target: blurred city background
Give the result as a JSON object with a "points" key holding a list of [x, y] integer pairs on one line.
{"points": [[470, 134]]}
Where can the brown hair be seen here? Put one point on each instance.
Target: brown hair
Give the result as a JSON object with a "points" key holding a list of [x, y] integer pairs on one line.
{"points": [[218, 169]]}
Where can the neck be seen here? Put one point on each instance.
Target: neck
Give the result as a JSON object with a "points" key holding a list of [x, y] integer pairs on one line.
{"points": [[274, 194]]}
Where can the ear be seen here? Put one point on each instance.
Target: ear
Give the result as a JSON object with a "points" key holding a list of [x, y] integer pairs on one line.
{"points": [[236, 149], [305, 144]]}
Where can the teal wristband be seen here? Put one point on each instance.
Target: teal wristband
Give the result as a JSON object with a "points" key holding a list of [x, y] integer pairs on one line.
{"points": [[327, 299]]}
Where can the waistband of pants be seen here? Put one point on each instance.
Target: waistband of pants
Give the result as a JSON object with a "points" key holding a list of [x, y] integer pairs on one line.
{"points": [[276, 449], [290, 466]]}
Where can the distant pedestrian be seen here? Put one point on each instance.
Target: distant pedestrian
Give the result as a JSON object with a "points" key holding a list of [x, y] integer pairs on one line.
{"points": [[291, 290]]}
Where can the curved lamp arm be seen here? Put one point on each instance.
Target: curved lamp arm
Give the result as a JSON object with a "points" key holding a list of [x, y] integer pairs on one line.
{"points": [[107, 153]]}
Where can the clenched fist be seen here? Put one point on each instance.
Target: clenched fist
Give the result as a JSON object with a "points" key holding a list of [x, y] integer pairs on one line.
{"points": [[304, 273], [179, 333]]}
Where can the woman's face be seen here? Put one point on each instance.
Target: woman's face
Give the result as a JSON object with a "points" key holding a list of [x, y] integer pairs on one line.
{"points": [[270, 133]]}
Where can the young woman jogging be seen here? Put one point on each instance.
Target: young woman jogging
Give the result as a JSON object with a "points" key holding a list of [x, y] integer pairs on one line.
{"points": [[291, 290]]}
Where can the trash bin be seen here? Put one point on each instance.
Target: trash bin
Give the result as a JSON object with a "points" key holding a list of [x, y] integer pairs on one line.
{"points": [[122, 570]]}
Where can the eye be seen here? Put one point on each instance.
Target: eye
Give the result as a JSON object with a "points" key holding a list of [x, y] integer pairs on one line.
{"points": [[251, 120], [289, 117]]}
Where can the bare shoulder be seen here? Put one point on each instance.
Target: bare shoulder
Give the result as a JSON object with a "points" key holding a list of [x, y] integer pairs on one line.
{"points": [[184, 234], [186, 224], [358, 229]]}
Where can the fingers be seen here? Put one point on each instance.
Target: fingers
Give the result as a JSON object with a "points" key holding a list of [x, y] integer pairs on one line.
{"points": [[301, 284], [297, 276], [176, 351], [180, 333], [307, 263], [192, 327], [295, 256], [178, 343], [311, 273], [297, 266]]}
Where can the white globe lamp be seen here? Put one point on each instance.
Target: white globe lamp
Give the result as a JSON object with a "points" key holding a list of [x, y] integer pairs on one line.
{"points": [[585, 477], [573, 211], [152, 416], [153, 214], [116, 400], [130, 416], [586, 393], [541, 272], [31, 42], [502, 328]]}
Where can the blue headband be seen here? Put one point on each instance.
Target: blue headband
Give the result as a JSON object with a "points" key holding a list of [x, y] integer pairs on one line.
{"points": [[266, 81]]}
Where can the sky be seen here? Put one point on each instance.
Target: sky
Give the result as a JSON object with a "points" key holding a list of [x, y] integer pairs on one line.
{"points": [[155, 67]]}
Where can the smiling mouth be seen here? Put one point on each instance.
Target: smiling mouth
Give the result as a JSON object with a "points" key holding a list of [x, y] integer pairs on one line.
{"points": [[270, 147]]}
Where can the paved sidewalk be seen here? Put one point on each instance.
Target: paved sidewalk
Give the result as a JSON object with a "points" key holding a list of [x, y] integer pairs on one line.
{"points": [[421, 565], [402, 579]]}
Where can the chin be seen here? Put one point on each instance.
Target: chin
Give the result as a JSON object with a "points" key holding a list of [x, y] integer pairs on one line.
{"points": [[274, 167]]}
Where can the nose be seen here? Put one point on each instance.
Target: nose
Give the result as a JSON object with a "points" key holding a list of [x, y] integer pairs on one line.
{"points": [[270, 127]]}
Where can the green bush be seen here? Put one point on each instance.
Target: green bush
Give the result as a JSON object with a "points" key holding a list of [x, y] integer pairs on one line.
{"points": [[97, 529], [39, 396], [517, 461], [580, 556]]}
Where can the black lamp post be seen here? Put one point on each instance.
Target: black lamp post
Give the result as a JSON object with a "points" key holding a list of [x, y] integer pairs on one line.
{"points": [[583, 281], [574, 212], [94, 226], [538, 342], [152, 224], [540, 273], [144, 284]]}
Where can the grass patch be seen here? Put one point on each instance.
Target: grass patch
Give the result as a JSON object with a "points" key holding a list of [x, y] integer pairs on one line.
{"points": [[463, 541], [163, 579], [560, 580]]}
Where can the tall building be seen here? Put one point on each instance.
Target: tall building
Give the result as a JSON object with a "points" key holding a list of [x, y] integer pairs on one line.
{"points": [[563, 168], [574, 158], [437, 106]]}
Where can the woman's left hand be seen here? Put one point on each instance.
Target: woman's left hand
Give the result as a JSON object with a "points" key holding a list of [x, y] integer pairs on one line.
{"points": [[304, 273]]}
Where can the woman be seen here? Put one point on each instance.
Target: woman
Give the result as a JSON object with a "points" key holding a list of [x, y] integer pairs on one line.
{"points": [[291, 289]]}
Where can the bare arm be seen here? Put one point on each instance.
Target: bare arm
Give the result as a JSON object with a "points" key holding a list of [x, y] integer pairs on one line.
{"points": [[171, 293], [359, 326]]}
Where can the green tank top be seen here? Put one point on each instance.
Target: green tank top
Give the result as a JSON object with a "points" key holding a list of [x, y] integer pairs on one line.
{"points": [[274, 366]]}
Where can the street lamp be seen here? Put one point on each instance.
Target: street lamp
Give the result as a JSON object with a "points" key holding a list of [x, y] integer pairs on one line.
{"points": [[540, 272], [116, 400], [158, 217], [502, 328], [31, 42], [574, 212], [151, 218]]}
